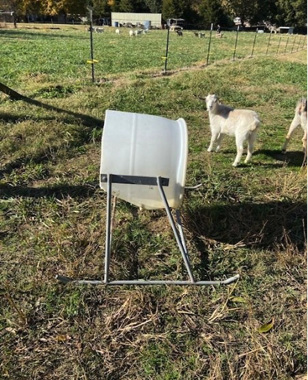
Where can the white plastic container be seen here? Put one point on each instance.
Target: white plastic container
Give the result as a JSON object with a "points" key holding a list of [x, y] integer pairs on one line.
{"points": [[144, 145]]}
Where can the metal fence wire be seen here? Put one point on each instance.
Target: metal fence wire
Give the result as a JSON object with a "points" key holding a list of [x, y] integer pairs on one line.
{"points": [[227, 44]]}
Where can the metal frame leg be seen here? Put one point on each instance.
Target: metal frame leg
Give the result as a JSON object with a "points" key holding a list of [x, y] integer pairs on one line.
{"points": [[177, 230], [108, 228], [178, 237], [180, 229]]}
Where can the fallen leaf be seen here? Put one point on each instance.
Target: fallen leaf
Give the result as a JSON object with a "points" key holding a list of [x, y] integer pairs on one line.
{"points": [[266, 327], [62, 338], [238, 299]]}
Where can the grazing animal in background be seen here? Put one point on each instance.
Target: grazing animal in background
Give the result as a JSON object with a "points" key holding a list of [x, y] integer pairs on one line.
{"points": [[274, 29], [131, 33], [117, 31], [99, 30], [179, 33], [137, 32], [300, 118], [271, 27], [241, 123]]}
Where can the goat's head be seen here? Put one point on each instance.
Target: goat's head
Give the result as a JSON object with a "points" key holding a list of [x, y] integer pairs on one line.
{"points": [[211, 102]]}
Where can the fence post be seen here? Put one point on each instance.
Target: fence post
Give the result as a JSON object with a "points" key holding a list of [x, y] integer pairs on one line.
{"points": [[298, 43], [253, 44], [279, 44], [285, 49], [294, 39], [269, 41], [90, 9], [209, 46], [236, 38], [302, 45], [167, 49]]}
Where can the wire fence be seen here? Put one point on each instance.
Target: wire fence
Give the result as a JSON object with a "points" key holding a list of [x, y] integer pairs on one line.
{"points": [[232, 44], [69, 53]]}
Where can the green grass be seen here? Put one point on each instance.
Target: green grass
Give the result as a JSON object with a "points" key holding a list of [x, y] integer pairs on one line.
{"points": [[45, 55], [249, 220]]}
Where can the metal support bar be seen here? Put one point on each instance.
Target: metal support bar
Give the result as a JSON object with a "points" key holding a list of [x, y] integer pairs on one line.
{"points": [[67, 280], [180, 228], [177, 230], [108, 229], [134, 180]]}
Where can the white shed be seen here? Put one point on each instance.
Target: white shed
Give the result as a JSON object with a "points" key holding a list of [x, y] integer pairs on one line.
{"points": [[123, 18]]}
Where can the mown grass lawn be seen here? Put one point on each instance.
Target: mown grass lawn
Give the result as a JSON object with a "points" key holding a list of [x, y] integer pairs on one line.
{"points": [[249, 220]]}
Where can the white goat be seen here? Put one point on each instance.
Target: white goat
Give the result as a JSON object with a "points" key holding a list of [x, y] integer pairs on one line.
{"points": [[300, 118], [131, 33], [224, 120], [117, 31]]}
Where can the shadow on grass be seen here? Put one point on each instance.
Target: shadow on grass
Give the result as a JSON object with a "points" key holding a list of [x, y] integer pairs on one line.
{"points": [[27, 34], [10, 118], [291, 158], [258, 225], [88, 121], [261, 225], [58, 191]]}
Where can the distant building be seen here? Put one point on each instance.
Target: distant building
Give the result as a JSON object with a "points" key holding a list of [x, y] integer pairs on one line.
{"points": [[136, 19]]}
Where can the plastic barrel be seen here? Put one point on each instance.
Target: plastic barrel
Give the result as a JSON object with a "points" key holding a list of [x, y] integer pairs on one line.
{"points": [[144, 145]]}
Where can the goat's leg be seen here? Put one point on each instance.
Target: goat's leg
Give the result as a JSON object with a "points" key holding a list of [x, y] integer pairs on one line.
{"points": [[218, 141], [294, 124], [305, 148], [251, 142], [240, 148], [304, 139], [213, 141]]}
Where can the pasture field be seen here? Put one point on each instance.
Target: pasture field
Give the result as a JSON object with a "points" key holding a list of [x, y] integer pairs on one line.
{"points": [[249, 220], [42, 54]]}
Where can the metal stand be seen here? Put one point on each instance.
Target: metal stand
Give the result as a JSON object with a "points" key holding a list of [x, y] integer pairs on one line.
{"points": [[177, 231]]}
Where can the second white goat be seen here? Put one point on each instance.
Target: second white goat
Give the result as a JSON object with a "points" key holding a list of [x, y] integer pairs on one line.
{"points": [[225, 120], [300, 118]]}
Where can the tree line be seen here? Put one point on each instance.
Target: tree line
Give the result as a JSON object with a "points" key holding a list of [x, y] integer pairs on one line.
{"points": [[195, 12]]}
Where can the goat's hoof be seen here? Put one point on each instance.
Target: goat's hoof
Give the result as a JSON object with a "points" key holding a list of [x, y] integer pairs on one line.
{"points": [[234, 164]]}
